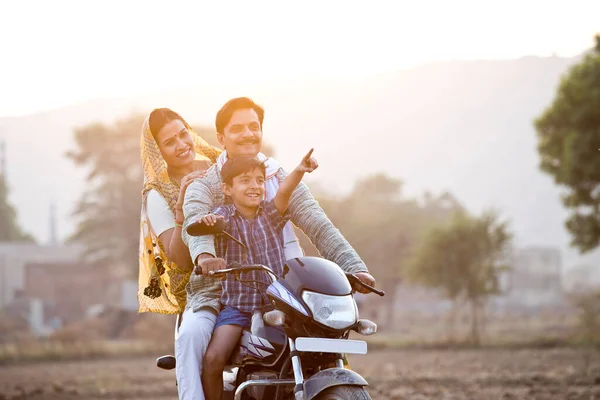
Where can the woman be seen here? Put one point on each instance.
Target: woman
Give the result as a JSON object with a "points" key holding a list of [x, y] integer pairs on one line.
{"points": [[173, 155]]}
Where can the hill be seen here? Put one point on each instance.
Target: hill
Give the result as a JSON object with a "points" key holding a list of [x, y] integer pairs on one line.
{"points": [[461, 126]]}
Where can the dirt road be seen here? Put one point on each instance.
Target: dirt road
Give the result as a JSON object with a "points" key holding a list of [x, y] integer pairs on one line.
{"points": [[400, 374]]}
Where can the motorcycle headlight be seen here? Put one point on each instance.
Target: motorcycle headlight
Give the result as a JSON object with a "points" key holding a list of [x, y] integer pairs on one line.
{"points": [[337, 312]]}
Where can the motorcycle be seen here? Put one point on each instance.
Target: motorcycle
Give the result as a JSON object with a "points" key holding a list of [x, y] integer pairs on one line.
{"points": [[297, 349]]}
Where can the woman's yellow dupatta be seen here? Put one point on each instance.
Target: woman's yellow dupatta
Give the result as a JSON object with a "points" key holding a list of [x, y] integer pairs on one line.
{"points": [[161, 285]]}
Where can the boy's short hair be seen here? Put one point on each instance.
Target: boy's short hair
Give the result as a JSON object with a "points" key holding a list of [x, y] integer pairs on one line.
{"points": [[238, 165]]}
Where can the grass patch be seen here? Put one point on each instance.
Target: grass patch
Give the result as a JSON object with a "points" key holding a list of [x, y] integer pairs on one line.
{"points": [[52, 351], [391, 341]]}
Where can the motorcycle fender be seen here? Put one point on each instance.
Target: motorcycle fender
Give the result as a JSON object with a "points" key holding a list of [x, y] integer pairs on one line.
{"points": [[331, 377]]}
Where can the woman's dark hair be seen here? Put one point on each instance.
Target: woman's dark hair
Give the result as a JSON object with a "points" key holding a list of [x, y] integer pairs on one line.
{"points": [[239, 103], [162, 116], [238, 165]]}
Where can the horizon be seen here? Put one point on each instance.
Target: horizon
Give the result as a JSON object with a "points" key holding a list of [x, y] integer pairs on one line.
{"points": [[412, 167]]}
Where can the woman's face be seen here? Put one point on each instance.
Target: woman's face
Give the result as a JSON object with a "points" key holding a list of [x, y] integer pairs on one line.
{"points": [[176, 144]]}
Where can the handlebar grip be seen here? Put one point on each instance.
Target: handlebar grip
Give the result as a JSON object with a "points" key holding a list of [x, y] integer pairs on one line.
{"points": [[218, 274], [354, 278]]}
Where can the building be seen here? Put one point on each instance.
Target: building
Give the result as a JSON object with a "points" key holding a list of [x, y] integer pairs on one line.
{"points": [[582, 278], [50, 286], [533, 283], [16, 256]]}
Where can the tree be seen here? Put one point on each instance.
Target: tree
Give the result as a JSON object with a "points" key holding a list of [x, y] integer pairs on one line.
{"points": [[569, 145], [464, 260], [10, 231], [383, 227], [108, 211]]}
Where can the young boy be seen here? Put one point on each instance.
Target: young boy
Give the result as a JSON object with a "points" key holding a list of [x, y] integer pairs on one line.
{"points": [[258, 224]]}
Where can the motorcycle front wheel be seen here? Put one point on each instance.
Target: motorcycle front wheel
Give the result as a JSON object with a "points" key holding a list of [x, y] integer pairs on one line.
{"points": [[344, 393]]}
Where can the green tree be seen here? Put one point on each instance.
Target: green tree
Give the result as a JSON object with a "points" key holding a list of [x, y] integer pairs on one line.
{"points": [[464, 260], [108, 211], [569, 145], [383, 227], [10, 231]]}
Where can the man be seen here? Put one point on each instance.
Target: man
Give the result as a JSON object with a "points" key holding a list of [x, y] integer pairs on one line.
{"points": [[239, 131]]}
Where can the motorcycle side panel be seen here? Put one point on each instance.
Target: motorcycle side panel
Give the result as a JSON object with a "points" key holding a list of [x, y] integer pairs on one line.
{"points": [[264, 349], [331, 377]]}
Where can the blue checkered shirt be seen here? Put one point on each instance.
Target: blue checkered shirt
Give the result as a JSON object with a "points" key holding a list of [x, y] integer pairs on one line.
{"points": [[263, 239]]}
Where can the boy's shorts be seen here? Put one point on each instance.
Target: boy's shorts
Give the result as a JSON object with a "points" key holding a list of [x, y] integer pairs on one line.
{"points": [[233, 316]]}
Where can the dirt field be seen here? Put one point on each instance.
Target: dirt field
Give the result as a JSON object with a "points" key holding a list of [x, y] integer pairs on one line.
{"points": [[401, 374]]}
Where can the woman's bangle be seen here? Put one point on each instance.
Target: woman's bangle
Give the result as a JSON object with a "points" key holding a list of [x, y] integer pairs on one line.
{"points": [[179, 224]]}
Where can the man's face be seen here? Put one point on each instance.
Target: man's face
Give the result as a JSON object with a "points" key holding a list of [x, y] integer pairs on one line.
{"points": [[243, 134], [176, 144], [247, 190]]}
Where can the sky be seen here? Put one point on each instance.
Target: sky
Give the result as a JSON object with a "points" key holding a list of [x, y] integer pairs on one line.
{"points": [[56, 53]]}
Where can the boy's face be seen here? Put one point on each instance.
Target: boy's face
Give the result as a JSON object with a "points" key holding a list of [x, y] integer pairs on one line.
{"points": [[247, 190]]}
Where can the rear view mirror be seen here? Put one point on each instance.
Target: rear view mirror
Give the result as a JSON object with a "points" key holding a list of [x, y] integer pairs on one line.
{"points": [[201, 229]]}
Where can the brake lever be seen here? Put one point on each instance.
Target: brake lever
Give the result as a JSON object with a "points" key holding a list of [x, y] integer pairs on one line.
{"points": [[220, 275], [371, 288]]}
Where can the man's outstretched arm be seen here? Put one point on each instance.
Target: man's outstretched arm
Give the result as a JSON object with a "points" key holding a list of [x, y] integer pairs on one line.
{"points": [[307, 214]]}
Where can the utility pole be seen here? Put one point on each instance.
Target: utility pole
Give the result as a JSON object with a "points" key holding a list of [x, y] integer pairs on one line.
{"points": [[52, 226], [3, 158]]}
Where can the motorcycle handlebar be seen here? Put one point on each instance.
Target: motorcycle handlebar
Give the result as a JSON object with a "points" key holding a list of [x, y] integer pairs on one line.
{"points": [[241, 268], [259, 267], [354, 280]]}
